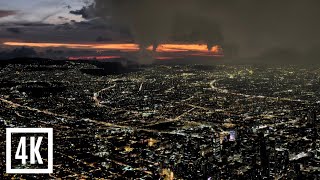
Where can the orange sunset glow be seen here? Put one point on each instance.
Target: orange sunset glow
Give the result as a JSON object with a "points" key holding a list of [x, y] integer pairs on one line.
{"points": [[186, 47], [126, 47], [115, 46]]}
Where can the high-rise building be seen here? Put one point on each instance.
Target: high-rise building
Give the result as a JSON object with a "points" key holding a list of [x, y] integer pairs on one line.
{"points": [[312, 122], [264, 156], [216, 146]]}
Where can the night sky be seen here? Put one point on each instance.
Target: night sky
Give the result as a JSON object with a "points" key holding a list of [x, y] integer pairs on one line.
{"points": [[249, 28]]}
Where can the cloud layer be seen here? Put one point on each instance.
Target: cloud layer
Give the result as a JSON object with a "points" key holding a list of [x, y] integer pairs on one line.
{"points": [[251, 26]]}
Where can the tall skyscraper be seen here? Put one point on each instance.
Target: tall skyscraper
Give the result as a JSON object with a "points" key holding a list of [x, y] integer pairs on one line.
{"points": [[264, 157], [312, 122]]}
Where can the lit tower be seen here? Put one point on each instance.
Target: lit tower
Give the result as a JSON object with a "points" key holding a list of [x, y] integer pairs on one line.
{"points": [[216, 146]]}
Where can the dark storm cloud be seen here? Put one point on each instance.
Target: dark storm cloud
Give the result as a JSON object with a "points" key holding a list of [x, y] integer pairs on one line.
{"points": [[14, 30], [32, 24], [18, 52], [86, 12], [4, 13], [73, 32], [153, 22], [250, 26]]}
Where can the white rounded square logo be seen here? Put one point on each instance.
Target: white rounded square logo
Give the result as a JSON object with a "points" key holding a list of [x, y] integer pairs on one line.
{"points": [[26, 150]]}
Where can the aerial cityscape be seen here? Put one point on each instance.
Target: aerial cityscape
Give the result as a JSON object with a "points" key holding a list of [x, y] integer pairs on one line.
{"points": [[175, 122], [160, 89]]}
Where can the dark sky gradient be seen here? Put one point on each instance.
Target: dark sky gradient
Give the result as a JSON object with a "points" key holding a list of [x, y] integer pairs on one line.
{"points": [[251, 28]]}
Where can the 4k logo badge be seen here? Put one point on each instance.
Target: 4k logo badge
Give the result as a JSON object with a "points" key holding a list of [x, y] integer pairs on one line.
{"points": [[31, 152]]}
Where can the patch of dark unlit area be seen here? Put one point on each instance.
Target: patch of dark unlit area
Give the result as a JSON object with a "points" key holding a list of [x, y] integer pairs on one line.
{"points": [[7, 84], [108, 68], [41, 89], [166, 126]]}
